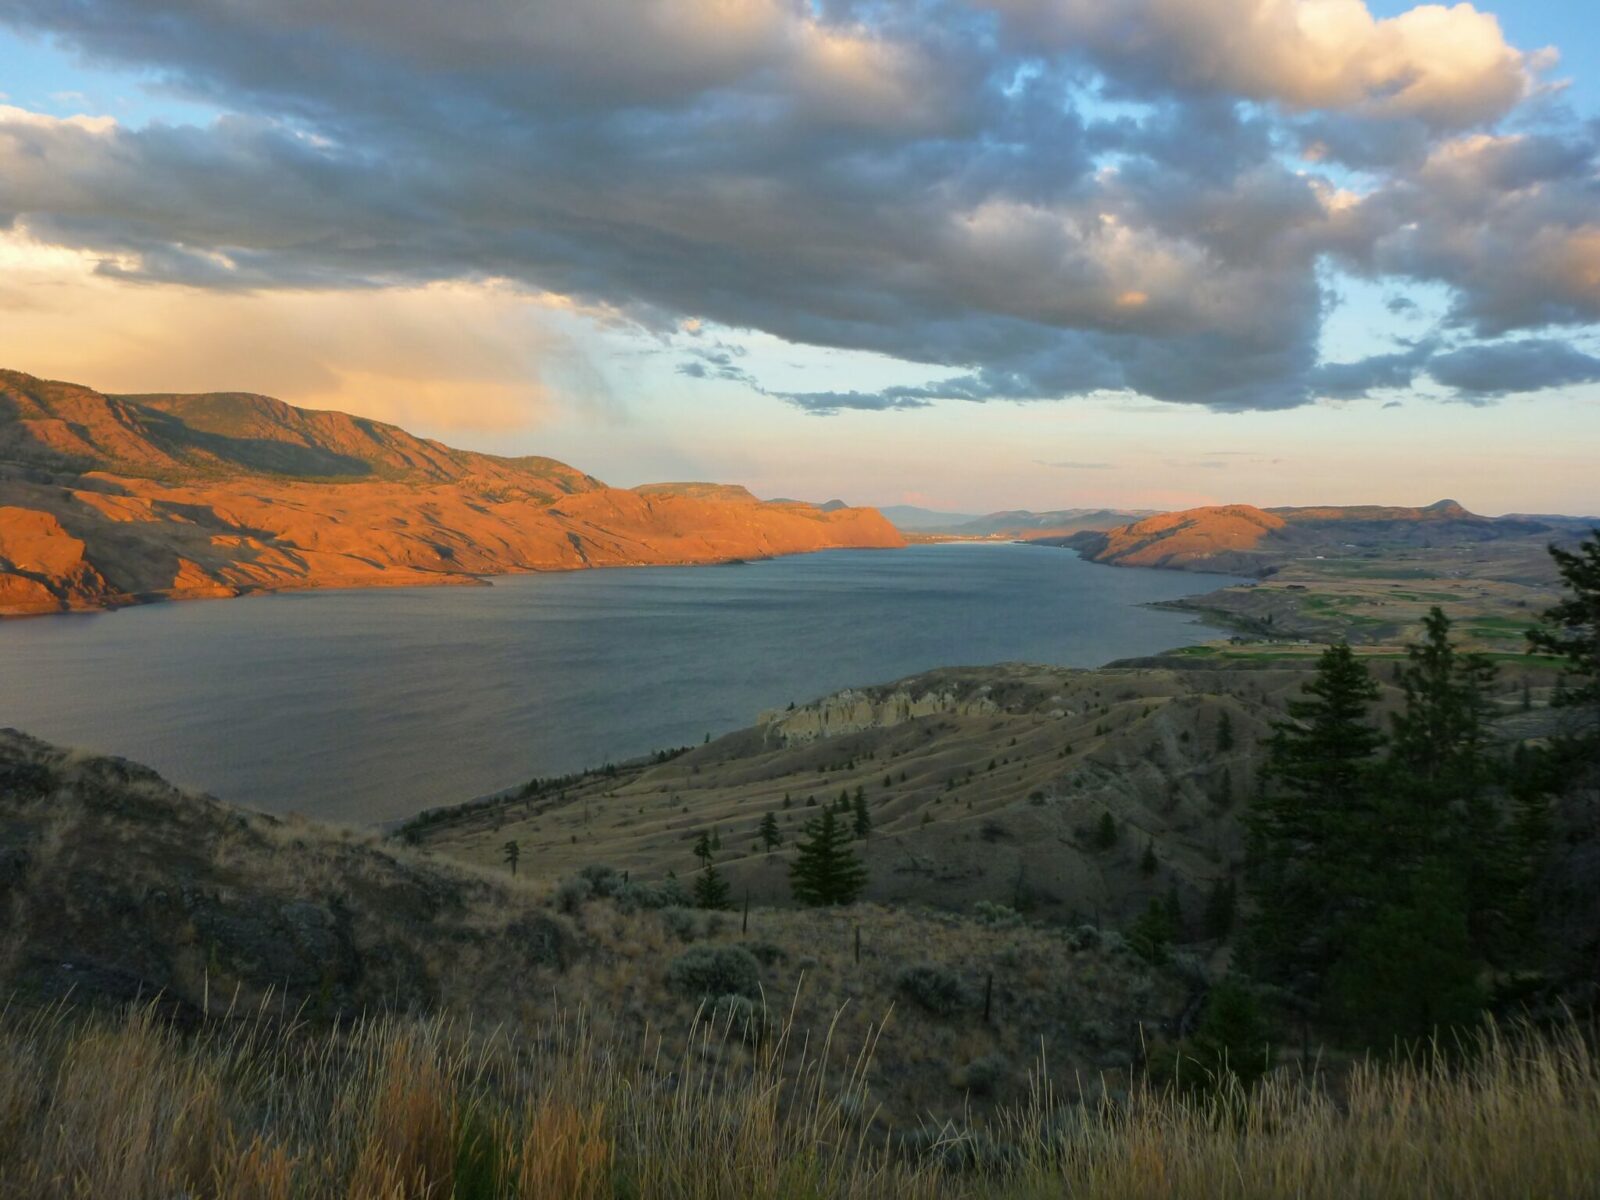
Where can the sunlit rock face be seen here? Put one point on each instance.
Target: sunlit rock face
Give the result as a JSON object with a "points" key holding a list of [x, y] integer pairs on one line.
{"points": [[108, 500], [852, 711]]}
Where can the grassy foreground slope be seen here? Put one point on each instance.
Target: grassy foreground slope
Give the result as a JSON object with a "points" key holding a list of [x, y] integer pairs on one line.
{"points": [[392, 1109]]}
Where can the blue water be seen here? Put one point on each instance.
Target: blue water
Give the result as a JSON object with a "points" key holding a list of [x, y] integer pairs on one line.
{"points": [[368, 705]]}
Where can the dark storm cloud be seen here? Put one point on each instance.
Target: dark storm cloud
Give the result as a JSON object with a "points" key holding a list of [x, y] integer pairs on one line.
{"points": [[1354, 380], [941, 182], [1499, 369]]}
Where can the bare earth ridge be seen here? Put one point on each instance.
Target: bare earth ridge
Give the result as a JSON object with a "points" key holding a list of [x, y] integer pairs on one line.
{"points": [[113, 500]]}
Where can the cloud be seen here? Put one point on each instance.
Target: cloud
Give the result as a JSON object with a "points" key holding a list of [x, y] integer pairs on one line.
{"points": [[1448, 66], [1209, 464], [1362, 377], [1076, 466], [446, 356], [1020, 196], [1531, 364]]}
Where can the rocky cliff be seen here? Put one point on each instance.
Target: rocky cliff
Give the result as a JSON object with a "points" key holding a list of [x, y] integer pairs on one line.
{"points": [[109, 500]]}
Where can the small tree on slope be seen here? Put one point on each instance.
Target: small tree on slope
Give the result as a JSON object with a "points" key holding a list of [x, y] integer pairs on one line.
{"points": [[825, 870]]}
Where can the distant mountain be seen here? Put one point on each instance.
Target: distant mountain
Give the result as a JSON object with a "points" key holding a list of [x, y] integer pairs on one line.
{"points": [[923, 520], [1243, 539], [108, 500], [1013, 523]]}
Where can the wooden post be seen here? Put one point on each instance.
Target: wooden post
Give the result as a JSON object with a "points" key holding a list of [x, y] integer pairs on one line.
{"points": [[858, 945], [988, 995], [744, 926]]}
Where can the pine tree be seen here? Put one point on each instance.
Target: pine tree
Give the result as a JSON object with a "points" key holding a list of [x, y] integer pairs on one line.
{"points": [[1439, 772], [1224, 732], [1153, 932], [771, 838], [1147, 862], [861, 826], [1439, 739], [1410, 972], [702, 848], [1315, 836], [825, 870], [1105, 832], [1571, 629], [512, 853], [1221, 902], [711, 890]]}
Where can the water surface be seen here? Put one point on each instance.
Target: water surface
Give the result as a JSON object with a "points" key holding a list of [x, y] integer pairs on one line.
{"points": [[368, 705]]}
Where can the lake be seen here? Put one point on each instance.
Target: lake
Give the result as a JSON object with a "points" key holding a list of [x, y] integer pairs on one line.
{"points": [[368, 705]]}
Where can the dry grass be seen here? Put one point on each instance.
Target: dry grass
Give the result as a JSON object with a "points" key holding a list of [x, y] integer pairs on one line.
{"points": [[390, 1109]]}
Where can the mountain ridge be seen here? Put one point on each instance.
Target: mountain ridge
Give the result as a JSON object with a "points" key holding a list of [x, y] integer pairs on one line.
{"points": [[1244, 539], [108, 500]]}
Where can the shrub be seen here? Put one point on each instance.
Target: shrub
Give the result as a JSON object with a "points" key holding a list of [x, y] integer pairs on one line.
{"points": [[767, 953], [1084, 937], [715, 971], [573, 894], [982, 1075], [739, 1017], [999, 916], [606, 881], [934, 988], [681, 923]]}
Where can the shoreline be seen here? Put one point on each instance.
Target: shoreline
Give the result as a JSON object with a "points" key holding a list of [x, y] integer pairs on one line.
{"points": [[363, 583]]}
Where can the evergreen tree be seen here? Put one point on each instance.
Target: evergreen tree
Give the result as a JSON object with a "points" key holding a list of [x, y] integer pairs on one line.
{"points": [[1314, 830], [1571, 629], [771, 838], [702, 848], [1439, 740], [1410, 972], [1221, 903], [1105, 832], [512, 853], [1153, 932], [711, 890], [1147, 862], [1230, 1045], [1224, 732], [825, 870], [1439, 772], [861, 826]]}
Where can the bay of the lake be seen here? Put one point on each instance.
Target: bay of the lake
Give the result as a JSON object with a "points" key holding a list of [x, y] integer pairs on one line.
{"points": [[368, 705]]}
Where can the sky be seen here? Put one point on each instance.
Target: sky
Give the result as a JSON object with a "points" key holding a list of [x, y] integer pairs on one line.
{"points": [[967, 254]]}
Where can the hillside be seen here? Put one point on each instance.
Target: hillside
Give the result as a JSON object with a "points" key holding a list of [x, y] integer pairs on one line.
{"points": [[1245, 540], [109, 500], [117, 888]]}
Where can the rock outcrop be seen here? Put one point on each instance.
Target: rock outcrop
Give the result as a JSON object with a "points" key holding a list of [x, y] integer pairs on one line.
{"points": [[108, 500], [852, 711]]}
